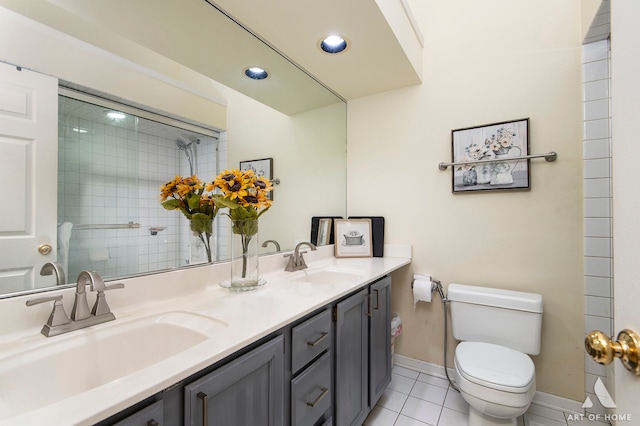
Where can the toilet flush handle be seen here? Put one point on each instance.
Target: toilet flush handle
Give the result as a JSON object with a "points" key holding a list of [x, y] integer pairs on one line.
{"points": [[603, 350]]}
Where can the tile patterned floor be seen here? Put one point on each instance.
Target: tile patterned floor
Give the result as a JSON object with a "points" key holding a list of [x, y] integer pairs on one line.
{"points": [[418, 399]]}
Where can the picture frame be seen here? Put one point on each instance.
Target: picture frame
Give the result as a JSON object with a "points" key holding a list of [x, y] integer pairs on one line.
{"points": [[318, 224], [324, 231], [353, 238], [261, 167], [497, 142]]}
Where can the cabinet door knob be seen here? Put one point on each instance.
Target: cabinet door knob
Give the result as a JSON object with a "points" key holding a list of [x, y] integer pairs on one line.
{"points": [[603, 350]]}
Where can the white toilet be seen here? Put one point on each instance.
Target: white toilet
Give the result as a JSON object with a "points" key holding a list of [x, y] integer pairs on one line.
{"points": [[496, 329]]}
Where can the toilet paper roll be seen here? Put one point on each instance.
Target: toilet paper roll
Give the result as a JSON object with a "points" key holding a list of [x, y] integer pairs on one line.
{"points": [[421, 289]]}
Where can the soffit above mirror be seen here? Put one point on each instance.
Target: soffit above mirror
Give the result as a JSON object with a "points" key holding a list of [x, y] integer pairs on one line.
{"points": [[385, 43], [385, 50]]}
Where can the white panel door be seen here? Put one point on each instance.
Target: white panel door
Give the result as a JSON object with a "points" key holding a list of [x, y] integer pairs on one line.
{"points": [[625, 110], [29, 175]]}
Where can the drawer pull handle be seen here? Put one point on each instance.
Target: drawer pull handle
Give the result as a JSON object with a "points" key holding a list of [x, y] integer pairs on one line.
{"points": [[316, 401], [323, 336], [205, 409]]}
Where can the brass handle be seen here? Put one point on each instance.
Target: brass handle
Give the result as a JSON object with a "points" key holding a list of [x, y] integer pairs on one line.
{"points": [[323, 336], [44, 249], [205, 409], [316, 401], [603, 350]]}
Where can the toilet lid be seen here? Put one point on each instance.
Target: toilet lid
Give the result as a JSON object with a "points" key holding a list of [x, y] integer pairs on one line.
{"points": [[495, 366]]}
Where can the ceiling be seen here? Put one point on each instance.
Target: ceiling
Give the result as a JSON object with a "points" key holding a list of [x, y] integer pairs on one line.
{"points": [[385, 50]]}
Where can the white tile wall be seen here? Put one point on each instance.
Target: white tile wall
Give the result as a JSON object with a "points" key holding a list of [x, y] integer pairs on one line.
{"points": [[115, 170], [598, 255]]}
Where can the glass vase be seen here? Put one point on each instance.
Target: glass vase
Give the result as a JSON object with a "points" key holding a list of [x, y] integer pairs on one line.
{"points": [[200, 241], [245, 275]]}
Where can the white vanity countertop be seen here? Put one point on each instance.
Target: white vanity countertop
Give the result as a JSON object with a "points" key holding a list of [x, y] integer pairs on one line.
{"points": [[248, 317]]}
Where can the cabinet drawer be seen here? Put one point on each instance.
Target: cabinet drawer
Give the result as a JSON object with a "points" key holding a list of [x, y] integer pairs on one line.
{"points": [[310, 339], [148, 416], [311, 392]]}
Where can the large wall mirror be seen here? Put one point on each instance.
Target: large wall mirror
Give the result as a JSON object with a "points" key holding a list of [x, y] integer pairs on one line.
{"points": [[108, 216]]}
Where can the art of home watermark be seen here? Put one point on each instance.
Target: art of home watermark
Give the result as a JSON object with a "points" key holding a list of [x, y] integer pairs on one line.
{"points": [[607, 402]]}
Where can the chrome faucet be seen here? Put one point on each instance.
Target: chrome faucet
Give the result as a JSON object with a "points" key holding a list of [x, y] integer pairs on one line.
{"points": [[81, 317], [274, 242], [50, 268], [296, 260]]}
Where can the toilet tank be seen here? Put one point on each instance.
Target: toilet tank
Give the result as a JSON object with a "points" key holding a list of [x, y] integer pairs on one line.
{"points": [[503, 317]]}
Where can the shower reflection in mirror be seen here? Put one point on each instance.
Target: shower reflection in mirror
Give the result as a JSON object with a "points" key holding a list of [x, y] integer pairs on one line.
{"points": [[110, 173]]}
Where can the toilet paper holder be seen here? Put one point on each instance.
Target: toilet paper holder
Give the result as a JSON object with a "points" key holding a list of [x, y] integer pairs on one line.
{"points": [[436, 285]]}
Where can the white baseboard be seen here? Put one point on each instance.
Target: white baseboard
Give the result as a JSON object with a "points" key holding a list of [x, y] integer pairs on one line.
{"points": [[543, 399]]}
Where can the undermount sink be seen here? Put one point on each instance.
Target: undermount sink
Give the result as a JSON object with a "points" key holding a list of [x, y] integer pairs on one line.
{"points": [[327, 275], [78, 362]]}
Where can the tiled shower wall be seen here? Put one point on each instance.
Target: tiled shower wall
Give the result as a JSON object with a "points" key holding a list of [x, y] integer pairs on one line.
{"points": [[112, 173], [598, 247]]}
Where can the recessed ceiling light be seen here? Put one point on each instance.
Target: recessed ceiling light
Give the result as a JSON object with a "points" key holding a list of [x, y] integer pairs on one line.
{"points": [[333, 44], [115, 115], [256, 73]]}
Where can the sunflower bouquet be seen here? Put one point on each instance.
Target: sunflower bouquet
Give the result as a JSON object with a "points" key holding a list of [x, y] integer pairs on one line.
{"points": [[192, 198], [246, 197]]}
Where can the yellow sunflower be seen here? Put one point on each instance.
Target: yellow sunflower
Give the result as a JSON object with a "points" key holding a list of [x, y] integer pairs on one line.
{"points": [[169, 188]]}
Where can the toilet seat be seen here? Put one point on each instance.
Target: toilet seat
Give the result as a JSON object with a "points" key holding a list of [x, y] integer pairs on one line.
{"points": [[495, 367]]}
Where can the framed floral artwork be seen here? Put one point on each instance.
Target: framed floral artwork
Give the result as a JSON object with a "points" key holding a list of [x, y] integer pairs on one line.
{"points": [[262, 167], [353, 238], [492, 152]]}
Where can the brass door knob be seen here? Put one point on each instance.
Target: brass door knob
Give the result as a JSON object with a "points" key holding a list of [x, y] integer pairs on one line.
{"points": [[603, 350], [44, 249]]}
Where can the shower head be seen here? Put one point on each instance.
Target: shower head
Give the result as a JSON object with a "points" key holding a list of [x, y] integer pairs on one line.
{"points": [[182, 144]]}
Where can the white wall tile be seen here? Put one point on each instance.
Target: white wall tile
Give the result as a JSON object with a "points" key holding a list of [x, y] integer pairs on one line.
{"points": [[597, 306], [597, 188], [592, 322], [597, 148], [595, 51], [597, 227], [597, 266], [595, 90], [596, 70], [594, 110], [599, 247], [596, 129], [597, 286], [597, 168]]}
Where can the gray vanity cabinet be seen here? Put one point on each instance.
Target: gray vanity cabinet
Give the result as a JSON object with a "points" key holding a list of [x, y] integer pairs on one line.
{"points": [[379, 339], [151, 415], [363, 352], [352, 360], [247, 391], [311, 381]]}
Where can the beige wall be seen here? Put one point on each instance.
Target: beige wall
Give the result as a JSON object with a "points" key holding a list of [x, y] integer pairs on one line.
{"points": [[309, 158], [484, 62]]}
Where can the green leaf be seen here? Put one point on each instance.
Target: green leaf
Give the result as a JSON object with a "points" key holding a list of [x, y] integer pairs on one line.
{"points": [[223, 202], [172, 204], [201, 222], [193, 201]]}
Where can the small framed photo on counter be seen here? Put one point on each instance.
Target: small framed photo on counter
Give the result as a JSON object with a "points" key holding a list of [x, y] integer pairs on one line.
{"points": [[353, 238]]}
